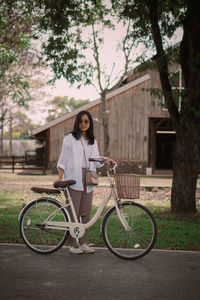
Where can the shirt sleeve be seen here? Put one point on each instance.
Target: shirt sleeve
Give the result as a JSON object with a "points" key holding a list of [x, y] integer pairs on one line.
{"points": [[62, 162], [95, 154]]}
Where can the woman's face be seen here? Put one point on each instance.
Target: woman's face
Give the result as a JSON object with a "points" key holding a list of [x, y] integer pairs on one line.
{"points": [[84, 123]]}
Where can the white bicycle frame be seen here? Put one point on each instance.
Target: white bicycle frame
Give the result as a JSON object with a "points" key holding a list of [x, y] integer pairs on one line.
{"points": [[76, 228]]}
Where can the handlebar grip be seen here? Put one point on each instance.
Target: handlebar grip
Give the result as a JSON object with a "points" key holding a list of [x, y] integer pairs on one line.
{"points": [[95, 159], [102, 160]]}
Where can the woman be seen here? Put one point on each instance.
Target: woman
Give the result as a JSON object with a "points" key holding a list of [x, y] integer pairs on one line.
{"points": [[78, 146]]}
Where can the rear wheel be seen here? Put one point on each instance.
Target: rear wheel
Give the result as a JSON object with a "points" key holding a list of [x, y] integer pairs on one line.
{"points": [[140, 237], [32, 226]]}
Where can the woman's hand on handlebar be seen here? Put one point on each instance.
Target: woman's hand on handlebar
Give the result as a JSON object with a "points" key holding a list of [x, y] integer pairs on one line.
{"points": [[110, 162], [102, 160]]}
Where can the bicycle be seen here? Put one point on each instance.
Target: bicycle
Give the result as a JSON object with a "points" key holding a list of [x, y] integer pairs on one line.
{"points": [[129, 229]]}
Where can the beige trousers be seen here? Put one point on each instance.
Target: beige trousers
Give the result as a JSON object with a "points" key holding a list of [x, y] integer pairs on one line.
{"points": [[82, 205]]}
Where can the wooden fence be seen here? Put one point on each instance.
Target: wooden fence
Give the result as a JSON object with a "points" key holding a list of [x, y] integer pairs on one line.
{"points": [[22, 162]]}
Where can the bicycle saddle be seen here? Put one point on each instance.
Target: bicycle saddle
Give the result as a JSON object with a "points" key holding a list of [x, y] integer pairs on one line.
{"points": [[63, 184], [40, 190]]}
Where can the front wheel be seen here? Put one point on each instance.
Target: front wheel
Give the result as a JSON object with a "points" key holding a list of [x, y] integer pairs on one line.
{"points": [[32, 226], [137, 239]]}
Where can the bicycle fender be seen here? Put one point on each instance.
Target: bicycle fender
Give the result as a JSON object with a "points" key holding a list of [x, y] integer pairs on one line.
{"points": [[101, 227], [23, 209], [21, 212], [114, 206]]}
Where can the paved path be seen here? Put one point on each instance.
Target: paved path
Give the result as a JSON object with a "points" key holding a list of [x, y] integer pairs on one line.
{"points": [[160, 275]]}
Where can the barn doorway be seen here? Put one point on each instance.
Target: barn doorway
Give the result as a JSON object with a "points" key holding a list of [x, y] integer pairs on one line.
{"points": [[165, 143], [162, 143]]}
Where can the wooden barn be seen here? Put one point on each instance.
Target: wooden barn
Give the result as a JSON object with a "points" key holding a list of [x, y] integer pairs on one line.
{"points": [[141, 135]]}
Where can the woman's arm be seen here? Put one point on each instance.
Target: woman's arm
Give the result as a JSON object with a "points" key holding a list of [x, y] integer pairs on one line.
{"points": [[60, 173], [64, 155], [95, 154], [109, 160]]}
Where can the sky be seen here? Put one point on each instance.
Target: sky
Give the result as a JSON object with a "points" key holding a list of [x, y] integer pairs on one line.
{"points": [[63, 88]]}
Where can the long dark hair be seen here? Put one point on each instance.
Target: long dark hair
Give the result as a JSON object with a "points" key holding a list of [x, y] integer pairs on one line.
{"points": [[77, 132]]}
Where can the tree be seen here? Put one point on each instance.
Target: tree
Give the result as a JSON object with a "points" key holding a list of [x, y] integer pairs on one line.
{"points": [[159, 21], [63, 105], [21, 67], [75, 28], [16, 25], [21, 126], [20, 86]]}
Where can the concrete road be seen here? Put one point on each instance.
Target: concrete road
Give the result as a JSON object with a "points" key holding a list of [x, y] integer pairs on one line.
{"points": [[159, 275]]}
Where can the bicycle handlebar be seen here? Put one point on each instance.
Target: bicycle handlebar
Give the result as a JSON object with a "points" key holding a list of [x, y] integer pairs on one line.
{"points": [[96, 159], [103, 160]]}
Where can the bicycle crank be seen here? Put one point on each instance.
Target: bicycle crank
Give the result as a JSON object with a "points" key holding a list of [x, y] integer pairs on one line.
{"points": [[77, 230]]}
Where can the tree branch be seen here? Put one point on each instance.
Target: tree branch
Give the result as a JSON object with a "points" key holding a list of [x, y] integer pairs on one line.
{"points": [[126, 51], [96, 57]]}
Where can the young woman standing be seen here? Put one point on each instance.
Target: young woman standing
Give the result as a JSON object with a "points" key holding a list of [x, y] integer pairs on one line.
{"points": [[78, 146]]}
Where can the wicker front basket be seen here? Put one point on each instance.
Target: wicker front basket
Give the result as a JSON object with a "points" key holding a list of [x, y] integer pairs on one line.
{"points": [[127, 186]]}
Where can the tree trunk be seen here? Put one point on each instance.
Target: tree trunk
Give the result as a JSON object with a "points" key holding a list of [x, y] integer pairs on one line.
{"points": [[186, 163], [10, 135], [187, 156], [183, 197], [1, 128], [1, 142], [105, 124]]}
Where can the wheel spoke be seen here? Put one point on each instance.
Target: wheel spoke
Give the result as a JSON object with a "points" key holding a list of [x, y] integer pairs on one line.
{"points": [[135, 242], [36, 237]]}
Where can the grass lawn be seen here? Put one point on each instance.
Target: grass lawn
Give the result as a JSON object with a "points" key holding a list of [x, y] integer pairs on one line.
{"points": [[180, 232], [175, 232]]}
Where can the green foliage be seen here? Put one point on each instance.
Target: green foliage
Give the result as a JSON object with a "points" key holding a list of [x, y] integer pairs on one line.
{"points": [[170, 15], [74, 104], [7, 56], [155, 92], [22, 126], [63, 105], [24, 40], [17, 19], [19, 90]]}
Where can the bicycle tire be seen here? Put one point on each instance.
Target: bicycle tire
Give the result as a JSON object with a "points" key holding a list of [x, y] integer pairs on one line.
{"points": [[38, 239], [140, 238]]}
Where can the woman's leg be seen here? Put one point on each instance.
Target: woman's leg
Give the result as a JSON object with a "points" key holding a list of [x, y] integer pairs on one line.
{"points": [[85, 211], [76, 199], [85, 207], [82, 205]]}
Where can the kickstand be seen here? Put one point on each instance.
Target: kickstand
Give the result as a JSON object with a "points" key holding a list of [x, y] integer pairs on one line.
{"points": [[77, 239]]}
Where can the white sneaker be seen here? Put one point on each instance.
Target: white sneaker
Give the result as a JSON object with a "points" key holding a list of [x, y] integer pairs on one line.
{"points": [[75, 250], [85, 248]]}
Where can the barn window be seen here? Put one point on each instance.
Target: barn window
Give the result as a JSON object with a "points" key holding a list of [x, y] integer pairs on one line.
{"points": [[177, 84]]}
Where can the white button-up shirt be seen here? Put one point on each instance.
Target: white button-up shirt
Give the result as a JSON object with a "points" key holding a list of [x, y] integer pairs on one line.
{"points": [[71, 161]]}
